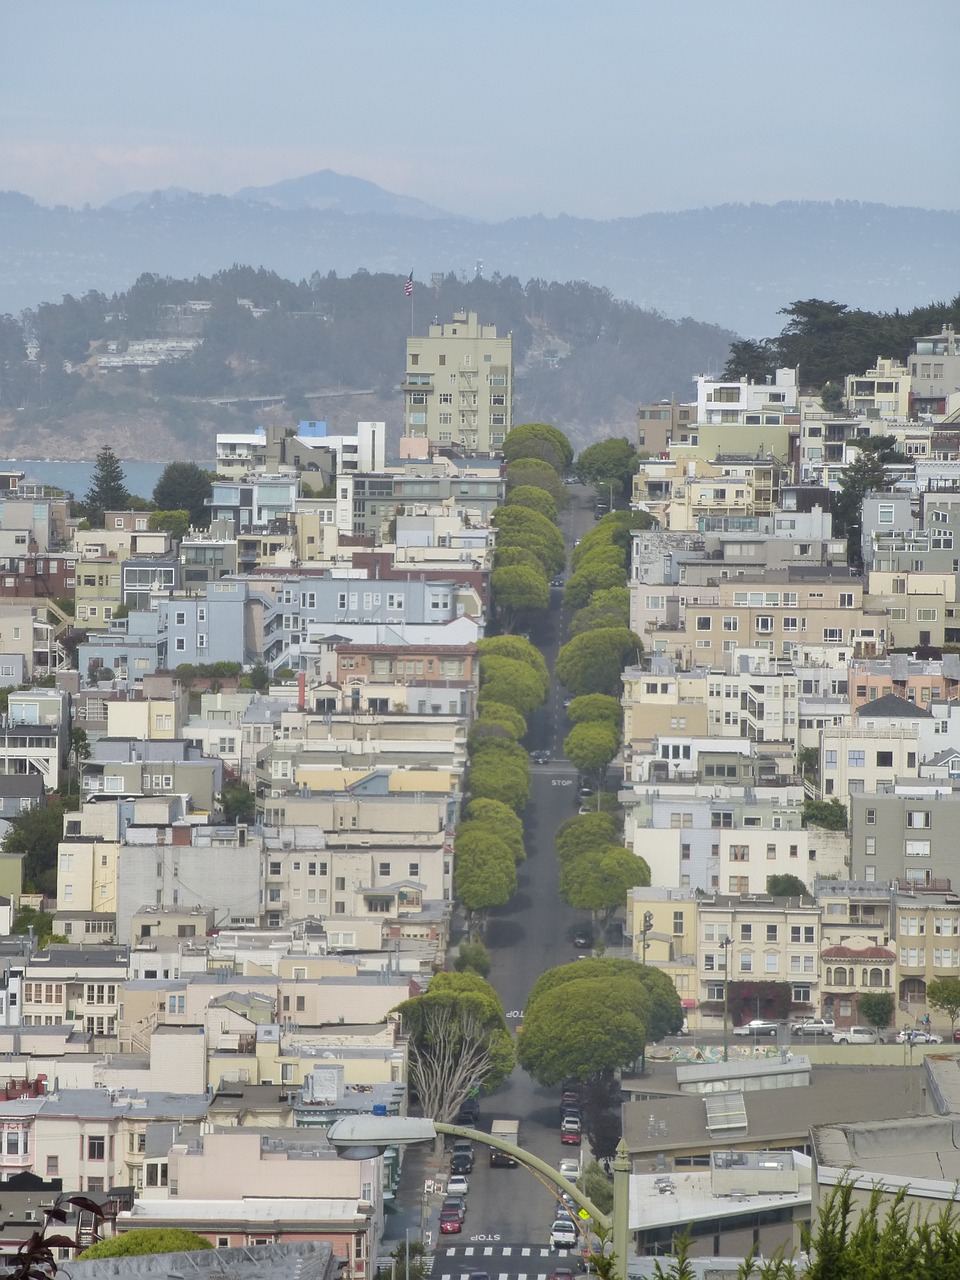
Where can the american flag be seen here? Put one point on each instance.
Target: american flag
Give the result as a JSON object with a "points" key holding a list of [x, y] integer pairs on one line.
{"points": [[408, 286]]}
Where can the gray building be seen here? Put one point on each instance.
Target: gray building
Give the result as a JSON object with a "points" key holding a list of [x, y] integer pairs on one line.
{"points": [[129, 766], [218, 869], [907, 834]]}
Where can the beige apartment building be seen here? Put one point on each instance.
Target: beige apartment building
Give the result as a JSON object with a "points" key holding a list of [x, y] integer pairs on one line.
{"points": [[880, 392], [794, 611], [688, 494], [98, 592], [917, 605], [458, 388]]}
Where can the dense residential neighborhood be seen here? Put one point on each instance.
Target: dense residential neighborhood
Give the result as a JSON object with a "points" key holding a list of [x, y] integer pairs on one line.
{"points": [[283, 756]]}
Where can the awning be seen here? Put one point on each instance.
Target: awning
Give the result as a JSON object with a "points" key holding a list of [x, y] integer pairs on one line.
{"points": [[687, 1003]]}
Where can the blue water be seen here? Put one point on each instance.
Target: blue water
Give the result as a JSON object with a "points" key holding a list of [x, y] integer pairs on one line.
{"points": [[141, 477]]}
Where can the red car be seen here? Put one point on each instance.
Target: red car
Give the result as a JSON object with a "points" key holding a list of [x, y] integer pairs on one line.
{"points": [[450, 1223], [570, 1131]]}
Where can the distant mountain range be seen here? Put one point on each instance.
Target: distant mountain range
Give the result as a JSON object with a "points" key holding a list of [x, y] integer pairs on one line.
{"points": [[733, 265]]}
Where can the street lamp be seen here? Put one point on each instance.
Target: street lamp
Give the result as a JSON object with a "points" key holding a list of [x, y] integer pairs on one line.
{"points": [[647, 926], [726, 944], [363, 1137]]}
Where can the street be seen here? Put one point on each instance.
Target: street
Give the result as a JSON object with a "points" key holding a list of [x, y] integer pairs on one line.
{"points": [[534, 932]]}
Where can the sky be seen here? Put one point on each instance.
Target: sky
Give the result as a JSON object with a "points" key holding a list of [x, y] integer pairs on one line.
{"points": [[492, 109]]}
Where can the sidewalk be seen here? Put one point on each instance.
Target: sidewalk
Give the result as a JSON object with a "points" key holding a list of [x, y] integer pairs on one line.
{"points": [[414, 1208]]}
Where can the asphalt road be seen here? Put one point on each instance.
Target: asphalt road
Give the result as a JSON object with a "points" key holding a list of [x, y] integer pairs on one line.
{"points": [[534, 932]]}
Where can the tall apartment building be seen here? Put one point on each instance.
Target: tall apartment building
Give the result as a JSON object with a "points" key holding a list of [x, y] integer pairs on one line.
{"points": [[458, 388]]}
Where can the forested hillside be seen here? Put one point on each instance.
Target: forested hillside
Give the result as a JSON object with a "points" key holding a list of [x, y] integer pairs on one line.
{"points": [[331, 347]]}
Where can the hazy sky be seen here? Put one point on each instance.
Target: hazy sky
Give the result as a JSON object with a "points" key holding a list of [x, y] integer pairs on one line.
{"points": [[491, 108]]}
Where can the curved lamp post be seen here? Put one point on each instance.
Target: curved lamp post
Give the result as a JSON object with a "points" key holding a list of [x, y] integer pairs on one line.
{"points": [[363, 1137]]}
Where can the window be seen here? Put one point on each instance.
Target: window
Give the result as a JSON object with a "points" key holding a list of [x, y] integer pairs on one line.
{"points": [[884, 759], [772, 932], [340, 884], [96, 1148], [856, 759], [746, 961], [830, 759], [918, 818], [731, 623], [715, 990], [746, 933], [53, 1166], [801, 993], [916, 849], [870, 817], [703, 622]]}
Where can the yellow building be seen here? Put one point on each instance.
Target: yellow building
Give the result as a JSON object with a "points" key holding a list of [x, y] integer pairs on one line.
{"points": [[98, 592]]}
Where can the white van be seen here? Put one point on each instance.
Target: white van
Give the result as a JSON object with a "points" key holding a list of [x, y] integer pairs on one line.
{"points": [[856, 1035]]}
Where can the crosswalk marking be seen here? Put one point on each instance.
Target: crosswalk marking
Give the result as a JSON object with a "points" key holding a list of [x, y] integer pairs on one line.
{"points": [[525, 1253]]}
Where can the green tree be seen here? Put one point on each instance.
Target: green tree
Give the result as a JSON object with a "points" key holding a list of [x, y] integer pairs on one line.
{"points": [[517, 591], [597, 1187], [877, 1008], [511, 681], [538, 440], [589, 1019], [591, 746], [502, 714], [595, 576], [751, 360], [458, 1042], [519, 648], [537, 499], [607, 607], [473, 956], [867, 473], [609, 462], [176, 523], [37, 833], [509, 555], [238, 802], [40, 921], [531, 473], [484, 872], [830, 814], [108, 488], [491, 779], [521, 527], [586, 831], [593, 662], [831, 397], [786, 886], [185, 486], [421, 1263], [599, 880], [146, 1240], [944, 994], [593, 707], [500, 818]]}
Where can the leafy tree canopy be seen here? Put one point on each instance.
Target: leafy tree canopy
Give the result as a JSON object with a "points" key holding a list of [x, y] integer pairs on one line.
{"points": [[534, 474], [518, 647], [146, 1240], [786, 886], [594, 661], [511, 555], [472, 956], [877, 1008], [537, 499], [484, 870], [521, 527], [600, 879], [525, 439], [494, 815], [511, 681], [519, 590], [185, 486], [944, 994], [596, 575], [502, 714], [825, 813], [586, 831], [607, 607], [459, 1041], [238, 803], [595, 707], [609, 462], [37, 833], [174, 522], [591, 746], [491, 779]]}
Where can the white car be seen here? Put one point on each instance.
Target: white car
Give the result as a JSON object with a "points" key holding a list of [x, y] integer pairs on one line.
{"points": [[570, 1169], [814, 1027], [757, 1027], [911, 1035], [457, 1185], [563, 1234], [857, 1035]]}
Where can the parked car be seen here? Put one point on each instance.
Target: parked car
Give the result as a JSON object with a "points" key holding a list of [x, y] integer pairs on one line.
{"points": [[556, 582], [814, 1027], [469, 1112], [461, 1163], [563, 1235], [571, 1111], [757, 1027], [457, 1185], [915, 1035], [451, 1224], [561, 1273], [583, 938], [570, 1131], [856, 1035], [570, 1169], [456, 1204]]}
